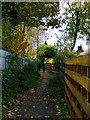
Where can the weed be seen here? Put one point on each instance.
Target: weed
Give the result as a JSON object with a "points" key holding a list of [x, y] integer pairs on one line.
{"points": [[16, 80]]}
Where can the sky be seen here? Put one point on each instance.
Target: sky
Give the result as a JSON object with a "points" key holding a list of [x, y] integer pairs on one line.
{"points": [[51, 32], [52, 40]]}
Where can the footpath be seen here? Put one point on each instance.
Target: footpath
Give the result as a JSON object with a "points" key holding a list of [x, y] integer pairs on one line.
{"points": [[35, 104]]}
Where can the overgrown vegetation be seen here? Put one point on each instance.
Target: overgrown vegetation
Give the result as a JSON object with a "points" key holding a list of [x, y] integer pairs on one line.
{"points": [[57, 87], [57, 83], [57, 91], [61, 57], [17, 79], [63, 111], [21, 23], [46, 51]]}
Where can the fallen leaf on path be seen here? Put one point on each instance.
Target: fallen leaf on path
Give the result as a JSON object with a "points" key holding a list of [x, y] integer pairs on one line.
{"points": [[46, 116], [57, 106], [10, 104], [57, 114], [9, 114], [51, 112], [31, 116], [32, 92]]}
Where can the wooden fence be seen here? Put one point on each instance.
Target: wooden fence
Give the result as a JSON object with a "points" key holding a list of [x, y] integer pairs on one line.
{"points": [[50, 67], [77, 85]]}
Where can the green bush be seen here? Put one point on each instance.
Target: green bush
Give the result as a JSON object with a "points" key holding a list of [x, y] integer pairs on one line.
{"points": [[57, 82], [57, 87], [16, 80], [63, 110], [29, 74]]}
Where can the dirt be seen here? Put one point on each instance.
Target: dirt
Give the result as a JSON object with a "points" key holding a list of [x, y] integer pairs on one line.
{"points": [[35, 103]]}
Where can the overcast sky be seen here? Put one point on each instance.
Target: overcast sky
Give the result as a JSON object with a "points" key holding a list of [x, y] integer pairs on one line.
{"points": [[51, 32], [52, 40]]}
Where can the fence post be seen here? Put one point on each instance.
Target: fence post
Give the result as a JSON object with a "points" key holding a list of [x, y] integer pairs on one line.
{"points": [[88, 82], [88, 79], [5, 59]]}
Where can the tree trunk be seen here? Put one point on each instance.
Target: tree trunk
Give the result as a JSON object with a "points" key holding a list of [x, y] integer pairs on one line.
{"points": [[76, 30], [74, 41], [23, 29]]}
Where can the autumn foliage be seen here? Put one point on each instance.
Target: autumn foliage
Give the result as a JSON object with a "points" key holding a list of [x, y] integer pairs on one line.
{"points": [[19, 44]]}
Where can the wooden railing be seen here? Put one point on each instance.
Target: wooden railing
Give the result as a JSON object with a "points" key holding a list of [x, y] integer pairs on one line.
{"points": [[77, 86], [76, 74], [50, 67]]}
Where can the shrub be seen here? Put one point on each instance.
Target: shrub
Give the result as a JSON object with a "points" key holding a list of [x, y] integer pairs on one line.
{"points": [[57, 89], [16, 80], [57, 82]]}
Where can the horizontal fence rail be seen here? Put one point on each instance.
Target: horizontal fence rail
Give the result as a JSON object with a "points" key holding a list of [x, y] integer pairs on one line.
{"points": [[76, 74], [50, 67], [77, 86]]}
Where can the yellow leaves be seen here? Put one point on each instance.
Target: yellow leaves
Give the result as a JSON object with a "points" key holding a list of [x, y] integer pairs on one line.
{"points": [[17, 27], [10, 104], [57, 106], [9, 114], [8, 10], [29, 47], [57, 114], [32, 92], [29, 41], [30, 51], [31, 116], [19, 44]]}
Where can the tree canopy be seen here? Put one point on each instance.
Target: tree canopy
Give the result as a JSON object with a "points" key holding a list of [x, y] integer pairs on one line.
{"points": [[30, 13], [46, 51], [77, 21], [19, 18]]}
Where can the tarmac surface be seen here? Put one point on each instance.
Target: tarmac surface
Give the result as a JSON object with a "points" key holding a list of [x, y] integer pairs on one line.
{"points": [[38, 105]]}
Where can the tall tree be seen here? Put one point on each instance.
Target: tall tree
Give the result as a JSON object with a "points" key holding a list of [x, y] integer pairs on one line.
{"points": [[25, 15], [31, 13], [45, 43], [76, 20]]}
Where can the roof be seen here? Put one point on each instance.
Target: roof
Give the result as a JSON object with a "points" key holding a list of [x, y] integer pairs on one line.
{"points": [[86, 52]]}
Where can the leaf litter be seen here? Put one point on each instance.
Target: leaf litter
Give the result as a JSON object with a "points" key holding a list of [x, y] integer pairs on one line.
{"points": [[34, 103]]}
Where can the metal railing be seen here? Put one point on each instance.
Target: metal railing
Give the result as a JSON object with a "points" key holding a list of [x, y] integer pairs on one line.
{"points": [[3, 59]]}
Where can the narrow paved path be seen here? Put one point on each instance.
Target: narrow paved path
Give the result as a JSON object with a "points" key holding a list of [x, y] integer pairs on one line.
{"points": [[39, 104]]}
